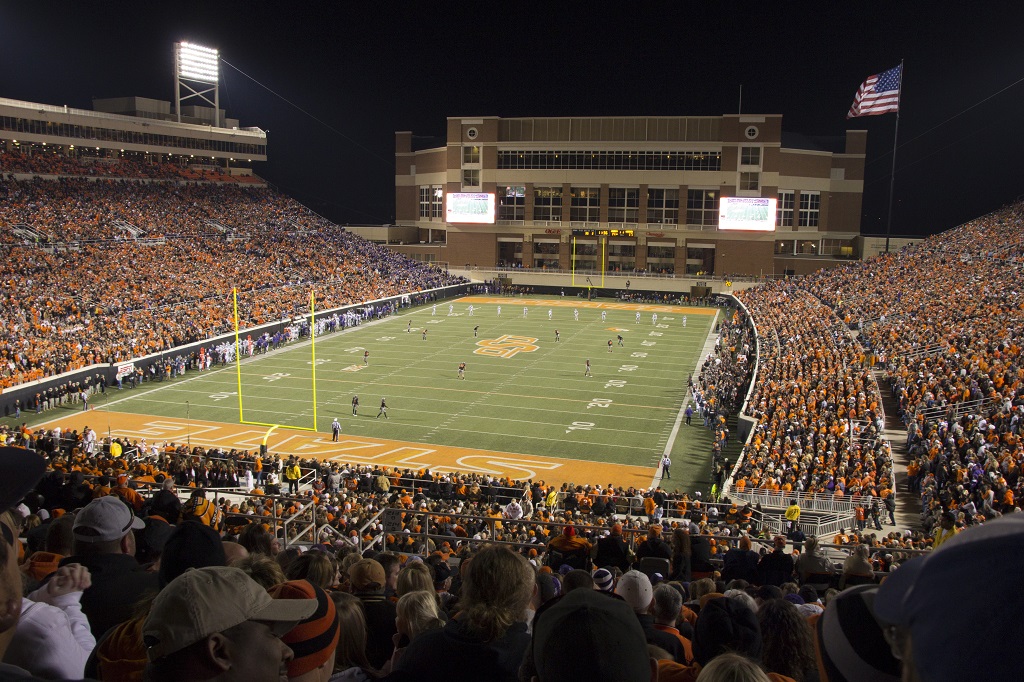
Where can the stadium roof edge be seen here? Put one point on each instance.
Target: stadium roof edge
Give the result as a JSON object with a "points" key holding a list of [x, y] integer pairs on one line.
{"points": [[39, 108]]}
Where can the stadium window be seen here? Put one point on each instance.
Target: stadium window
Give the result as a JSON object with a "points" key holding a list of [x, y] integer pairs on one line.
{"points": [[471, 154], [750, 182], [436, 200], [585, 204], [785, 247], [808, 247], [470, 178], [424, 202], [810, 208], [607, 160], [784, 216], [750, 156], [702, 207], [623, 204], [547, 204], [663, 206], [512, 202]]}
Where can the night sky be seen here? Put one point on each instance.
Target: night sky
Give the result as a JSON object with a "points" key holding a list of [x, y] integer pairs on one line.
{"points": [[362, 72]]}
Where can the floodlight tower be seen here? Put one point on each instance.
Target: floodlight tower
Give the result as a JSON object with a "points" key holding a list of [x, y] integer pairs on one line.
{"points": [[197, 64]]}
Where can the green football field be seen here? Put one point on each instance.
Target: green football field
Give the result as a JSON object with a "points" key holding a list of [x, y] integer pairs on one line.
{"points": [[523, 391]]}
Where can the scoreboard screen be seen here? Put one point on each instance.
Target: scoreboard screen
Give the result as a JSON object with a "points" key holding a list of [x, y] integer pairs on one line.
{"points": [[470, 207], [753, 214]]}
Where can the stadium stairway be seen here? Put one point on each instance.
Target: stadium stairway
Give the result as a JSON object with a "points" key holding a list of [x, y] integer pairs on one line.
{"points": [[908, 505]]}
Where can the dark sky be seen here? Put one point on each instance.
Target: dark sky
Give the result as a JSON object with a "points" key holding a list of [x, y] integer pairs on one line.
{"points": [[367, 69]]}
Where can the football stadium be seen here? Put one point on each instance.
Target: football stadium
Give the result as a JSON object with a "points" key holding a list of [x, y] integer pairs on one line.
{"points": [[626, 397]]}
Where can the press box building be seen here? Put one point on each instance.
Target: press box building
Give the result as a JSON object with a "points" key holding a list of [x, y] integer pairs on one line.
{"points": [[630, 193]]}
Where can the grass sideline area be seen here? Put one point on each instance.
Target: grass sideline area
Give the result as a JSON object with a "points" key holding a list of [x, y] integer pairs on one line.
{"points": [[524, 393]]}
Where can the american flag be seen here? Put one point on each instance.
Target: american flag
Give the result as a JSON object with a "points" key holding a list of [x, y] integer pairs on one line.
{"points": [[879, 94]]}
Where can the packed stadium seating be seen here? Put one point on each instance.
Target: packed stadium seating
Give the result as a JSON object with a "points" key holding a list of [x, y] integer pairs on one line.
{"points": [[945, 318], [818, 427], [948, 338], [340, 512], [186, 247], [54, 161]]}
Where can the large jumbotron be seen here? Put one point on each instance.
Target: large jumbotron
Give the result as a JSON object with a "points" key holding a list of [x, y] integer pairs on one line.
{"points": [[647, 345]]}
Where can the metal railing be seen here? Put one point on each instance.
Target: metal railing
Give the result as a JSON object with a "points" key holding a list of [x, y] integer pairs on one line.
{"points": [[923, 352], [958, 409], [818, 502], [391, 520], [816, 524]]}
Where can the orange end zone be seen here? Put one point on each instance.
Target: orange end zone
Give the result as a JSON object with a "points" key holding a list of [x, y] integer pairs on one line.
{"points": [[360, 451]]}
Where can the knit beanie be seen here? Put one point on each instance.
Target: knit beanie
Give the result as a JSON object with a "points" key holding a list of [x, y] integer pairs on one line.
{"points": [[316, 638], [603, 580]]}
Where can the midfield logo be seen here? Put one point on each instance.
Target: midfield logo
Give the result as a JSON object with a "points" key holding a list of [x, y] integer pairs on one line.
{"points": [[506, 346]]}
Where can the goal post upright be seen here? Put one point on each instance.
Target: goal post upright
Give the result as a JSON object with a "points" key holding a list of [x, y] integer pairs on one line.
{"points": [[238, 356], [312, 337]]}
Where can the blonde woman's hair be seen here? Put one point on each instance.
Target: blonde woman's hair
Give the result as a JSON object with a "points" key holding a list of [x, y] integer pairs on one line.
{"points": [[420, 612], [414, 577]]}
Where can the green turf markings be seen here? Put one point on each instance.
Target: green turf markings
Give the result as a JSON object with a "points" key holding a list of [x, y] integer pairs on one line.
{"points": [[534, 402]]}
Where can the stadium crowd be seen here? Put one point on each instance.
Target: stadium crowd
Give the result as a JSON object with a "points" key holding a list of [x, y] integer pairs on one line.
{"points": [[274, 250], [99, 542], [945, 317], [102, 548], [54, 161], [817, 407]]}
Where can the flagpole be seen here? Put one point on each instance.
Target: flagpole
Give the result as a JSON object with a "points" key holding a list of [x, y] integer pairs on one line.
{"points": [[892, 174]]}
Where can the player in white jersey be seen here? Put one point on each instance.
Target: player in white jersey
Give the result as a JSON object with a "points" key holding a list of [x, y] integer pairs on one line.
{"points": [[525, 309], [471, 311], [654, 318], [433, 310], [638, 317], [549, 313], [576, 314], [684, 320], [499, 311], [604, 315], [451, 309]]}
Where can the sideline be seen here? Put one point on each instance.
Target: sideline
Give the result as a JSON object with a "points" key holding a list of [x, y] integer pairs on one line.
{"points": [[709, 347]]}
